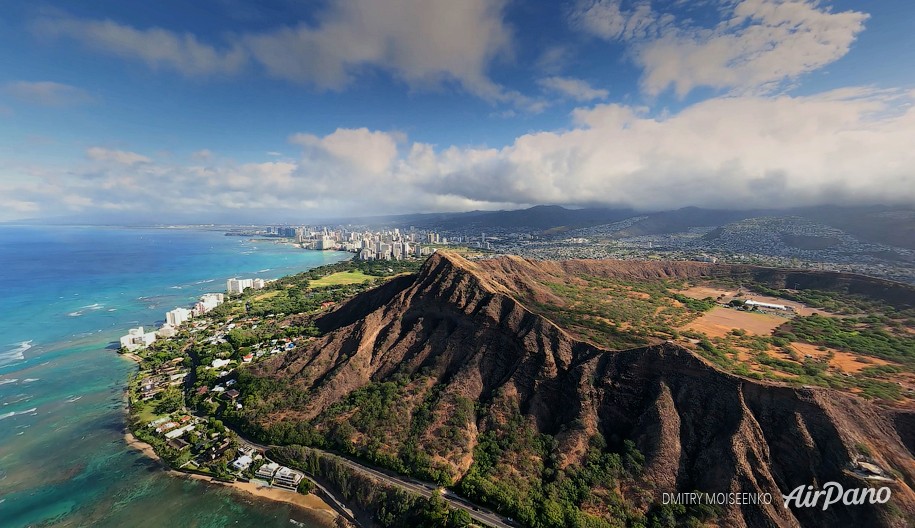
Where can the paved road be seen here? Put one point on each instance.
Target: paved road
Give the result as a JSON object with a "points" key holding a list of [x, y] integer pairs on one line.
{"points": [[425, 489]]}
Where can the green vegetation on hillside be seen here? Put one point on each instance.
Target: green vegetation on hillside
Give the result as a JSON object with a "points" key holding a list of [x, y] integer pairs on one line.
{"points": [[620, 314], [859, 335], [391, 506], [775, 359], [518, 471], [515, 469]]}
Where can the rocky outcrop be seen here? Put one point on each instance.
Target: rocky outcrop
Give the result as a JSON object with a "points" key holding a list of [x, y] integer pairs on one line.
{"points": [[698, 427]]}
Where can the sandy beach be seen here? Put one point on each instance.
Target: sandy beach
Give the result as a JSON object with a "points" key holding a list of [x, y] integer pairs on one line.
{"points": [[141, 446], [310, 501], [133, 357], [256, 488]]}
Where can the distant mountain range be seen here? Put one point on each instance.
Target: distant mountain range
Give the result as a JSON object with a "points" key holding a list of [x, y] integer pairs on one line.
{"points": [[879, 224], [890, 225]]}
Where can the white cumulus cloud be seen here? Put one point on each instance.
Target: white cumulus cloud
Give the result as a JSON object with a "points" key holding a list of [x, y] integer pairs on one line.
{"points": [[845, 146], [757, 46], [372, 151], [739, 152]]}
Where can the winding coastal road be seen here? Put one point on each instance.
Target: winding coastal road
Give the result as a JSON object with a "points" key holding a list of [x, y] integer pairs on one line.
{"points": [[426, 489]]}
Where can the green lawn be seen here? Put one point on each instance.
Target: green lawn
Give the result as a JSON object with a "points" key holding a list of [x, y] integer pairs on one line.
{"points": [[146, 414], [341, 278]]}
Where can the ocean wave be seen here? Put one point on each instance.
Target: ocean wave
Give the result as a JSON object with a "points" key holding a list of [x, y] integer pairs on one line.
{"points": [[8, 380], [14, 413], [71, 400], [75, 314], [94, 306], [265, 270], [176, 287], [30, 380], [112, 309], [205, 281], [25, 397], [15, 354]]}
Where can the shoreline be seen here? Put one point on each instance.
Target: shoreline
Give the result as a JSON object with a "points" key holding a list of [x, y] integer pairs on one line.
{"points": [[133, 357], [309, 502]]}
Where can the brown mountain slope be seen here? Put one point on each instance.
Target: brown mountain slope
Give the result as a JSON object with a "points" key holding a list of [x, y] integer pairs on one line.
{"points": [[473, 366]]}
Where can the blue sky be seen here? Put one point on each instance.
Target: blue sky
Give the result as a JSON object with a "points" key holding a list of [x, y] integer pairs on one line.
{"points": [[219, 110]]}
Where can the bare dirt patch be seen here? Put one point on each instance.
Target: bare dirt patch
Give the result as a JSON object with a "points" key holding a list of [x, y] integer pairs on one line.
{"points": [[718, 321], [701, 292], [844, 361]]}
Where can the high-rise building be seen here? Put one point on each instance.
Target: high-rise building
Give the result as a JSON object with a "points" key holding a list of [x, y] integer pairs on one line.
{"points": [[136, 338], [236, 286], [177, 316], [210, 300], [326, 242]]}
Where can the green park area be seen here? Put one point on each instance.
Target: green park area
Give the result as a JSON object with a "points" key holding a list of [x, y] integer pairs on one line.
{"points": [[341, 278]]}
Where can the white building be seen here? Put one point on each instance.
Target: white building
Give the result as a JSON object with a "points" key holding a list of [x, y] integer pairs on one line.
{"points": [[178, 432], [770, 306], [258, 284], [211, 300], [325, 242], [136, 338], [177, 316], [242, 462], [236, 286], [267, 470], [287, 478]]}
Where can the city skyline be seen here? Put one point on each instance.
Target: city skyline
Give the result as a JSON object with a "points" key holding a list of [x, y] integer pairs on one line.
{"points": [[224, 112]]}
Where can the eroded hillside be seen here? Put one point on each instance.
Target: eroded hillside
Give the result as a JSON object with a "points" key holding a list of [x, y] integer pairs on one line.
{"points": [[461, 373]]}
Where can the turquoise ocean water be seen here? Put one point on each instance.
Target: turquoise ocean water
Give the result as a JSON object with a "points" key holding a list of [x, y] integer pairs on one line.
{"points": [[68, 293]]}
